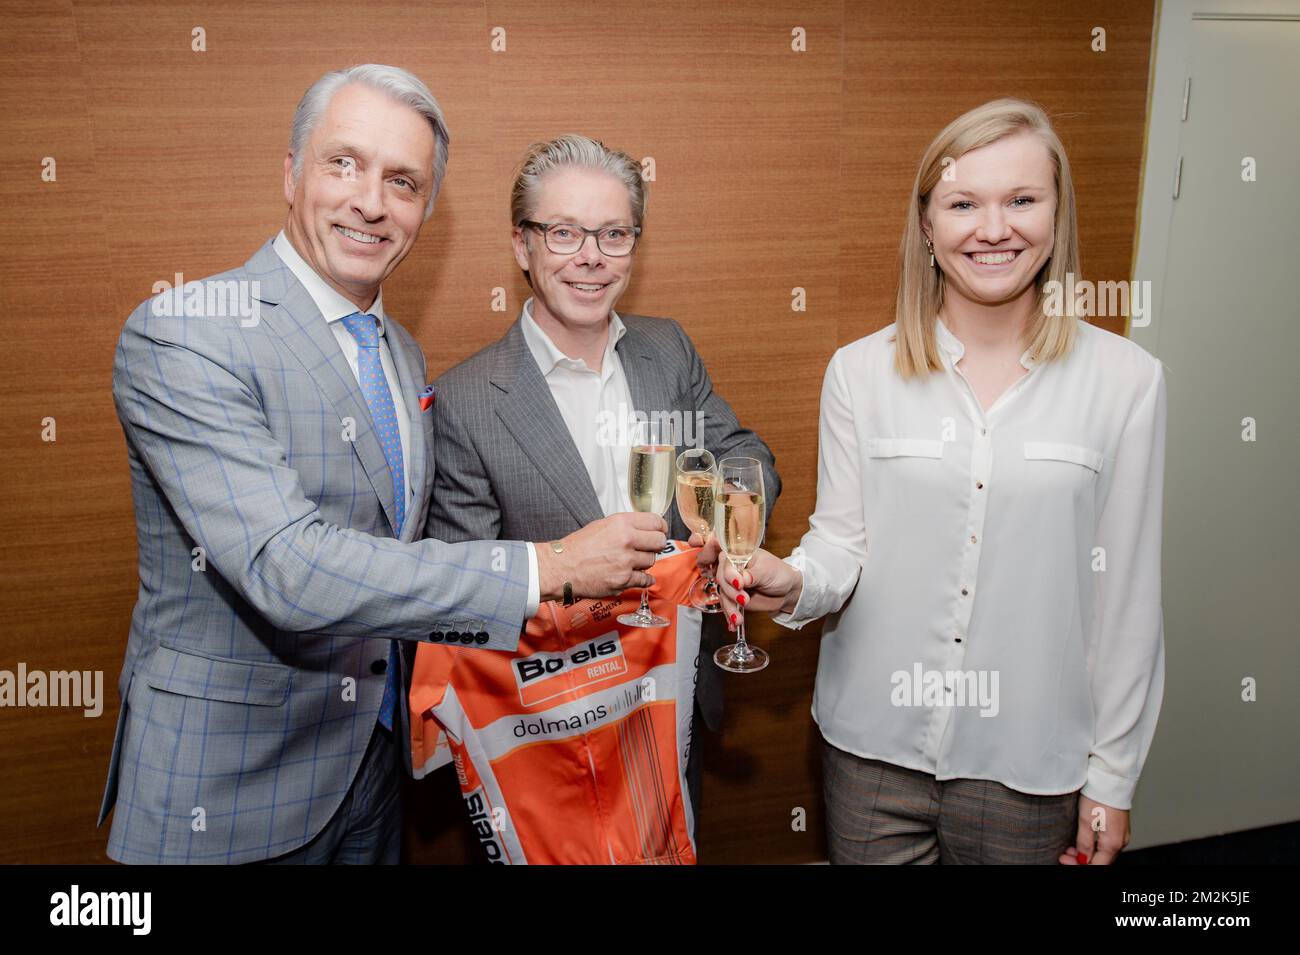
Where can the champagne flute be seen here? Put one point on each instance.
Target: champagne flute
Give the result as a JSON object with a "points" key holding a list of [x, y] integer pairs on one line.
{"points": [[650, 485], [697, 478], [739, 521]]}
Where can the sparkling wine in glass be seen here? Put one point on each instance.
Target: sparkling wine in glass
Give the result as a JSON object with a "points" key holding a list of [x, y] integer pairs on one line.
{"points": [[739, 519], [697, 479], [650, 485]]}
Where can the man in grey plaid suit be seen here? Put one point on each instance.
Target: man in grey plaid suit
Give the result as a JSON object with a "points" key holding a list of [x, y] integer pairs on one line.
{"points": [[526, 429], [281, 458]]}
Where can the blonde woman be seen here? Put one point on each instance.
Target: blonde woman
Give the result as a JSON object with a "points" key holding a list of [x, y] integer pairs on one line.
{"points": [[986, 540]]}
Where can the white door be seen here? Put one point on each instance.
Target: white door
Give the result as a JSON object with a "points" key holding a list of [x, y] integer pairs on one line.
{"points": [[1227, 328]]}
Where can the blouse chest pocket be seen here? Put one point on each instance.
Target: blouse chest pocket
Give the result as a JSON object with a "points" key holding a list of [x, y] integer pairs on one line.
{"points": [[1057, 471], [1072, 453], [901, 472], [904, 448]]}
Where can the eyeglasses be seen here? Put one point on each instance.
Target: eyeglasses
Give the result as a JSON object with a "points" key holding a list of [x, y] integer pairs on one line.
{"points": [[565, 238]]}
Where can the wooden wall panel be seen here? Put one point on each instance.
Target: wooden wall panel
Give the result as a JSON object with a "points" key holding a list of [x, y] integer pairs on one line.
{"points": [[775, 170], [67, 575]]}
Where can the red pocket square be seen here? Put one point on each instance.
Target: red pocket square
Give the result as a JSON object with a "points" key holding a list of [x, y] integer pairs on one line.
{"points": [[426, 398]]}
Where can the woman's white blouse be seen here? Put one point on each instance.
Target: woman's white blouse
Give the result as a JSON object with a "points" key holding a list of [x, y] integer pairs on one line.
{"points": [[992, 578]]}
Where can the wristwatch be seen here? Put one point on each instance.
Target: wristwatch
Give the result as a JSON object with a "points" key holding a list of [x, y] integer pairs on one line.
{"points": [[569, 600]]}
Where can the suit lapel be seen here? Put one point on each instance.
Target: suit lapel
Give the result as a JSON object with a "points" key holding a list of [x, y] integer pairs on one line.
{"points": [[299, 323], [645, 376], [528, 410], [652, 394]]}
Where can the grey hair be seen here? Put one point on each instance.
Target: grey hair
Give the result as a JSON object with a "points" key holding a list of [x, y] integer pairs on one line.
{"points": [[402, 85], [572, 149]]}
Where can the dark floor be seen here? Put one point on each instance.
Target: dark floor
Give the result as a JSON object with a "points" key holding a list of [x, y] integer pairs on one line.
{"points": [[1274, 845]]}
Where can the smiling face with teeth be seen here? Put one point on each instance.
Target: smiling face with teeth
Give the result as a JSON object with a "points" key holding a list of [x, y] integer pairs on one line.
{"points": [[574, 294], [992, 224], [356, 209]]}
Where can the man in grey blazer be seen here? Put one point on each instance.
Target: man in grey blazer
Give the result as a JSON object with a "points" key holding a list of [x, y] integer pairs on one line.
{"points": [[526, 429], [279, 439]]}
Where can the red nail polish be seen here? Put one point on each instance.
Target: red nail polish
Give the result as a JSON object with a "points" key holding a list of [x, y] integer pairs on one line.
{"points": [[740, 599], [1083, 859], [733, 619]]}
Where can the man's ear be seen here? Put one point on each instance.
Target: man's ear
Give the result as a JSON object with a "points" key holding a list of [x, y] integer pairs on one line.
{"points": [[289, 186], [519, 239]]}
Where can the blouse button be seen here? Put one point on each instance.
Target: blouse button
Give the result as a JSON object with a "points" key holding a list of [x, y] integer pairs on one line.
{"points": [[974, 539], [964, 591], [979, 485]]}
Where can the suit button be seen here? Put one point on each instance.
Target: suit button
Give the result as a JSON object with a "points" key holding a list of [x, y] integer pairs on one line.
{"points": [[453, 636], [467, 637], [436, 636], [481, 637], [378, 666]]}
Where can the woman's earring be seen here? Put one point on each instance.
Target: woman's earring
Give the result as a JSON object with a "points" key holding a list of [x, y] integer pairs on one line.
{"points": [[930, 247]]}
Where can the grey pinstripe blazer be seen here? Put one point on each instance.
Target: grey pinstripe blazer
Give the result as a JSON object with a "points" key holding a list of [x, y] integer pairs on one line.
{"points": [[251, 684], [507, 466]]}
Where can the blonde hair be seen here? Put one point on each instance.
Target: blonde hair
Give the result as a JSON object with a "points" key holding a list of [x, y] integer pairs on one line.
{"points": [[921, 286], [583, 152]]}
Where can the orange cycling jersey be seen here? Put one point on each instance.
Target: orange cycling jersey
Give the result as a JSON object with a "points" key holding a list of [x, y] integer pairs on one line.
{"points": [[572, 748]]}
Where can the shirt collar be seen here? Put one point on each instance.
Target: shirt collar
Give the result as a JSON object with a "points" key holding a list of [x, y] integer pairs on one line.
{"points": [[549, 357], [332, 305], [951, 344]]}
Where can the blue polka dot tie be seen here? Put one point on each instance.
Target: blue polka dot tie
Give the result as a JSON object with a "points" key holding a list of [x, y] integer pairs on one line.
{"points": [[374, 385]]}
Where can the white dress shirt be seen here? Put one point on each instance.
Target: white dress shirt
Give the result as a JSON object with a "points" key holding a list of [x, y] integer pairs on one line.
{"points": [[334, 308], [595, 407], [992, 578]]}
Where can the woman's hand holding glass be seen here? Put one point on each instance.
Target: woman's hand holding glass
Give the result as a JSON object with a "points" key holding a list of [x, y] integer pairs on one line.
{"points": [[768, 584]]}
